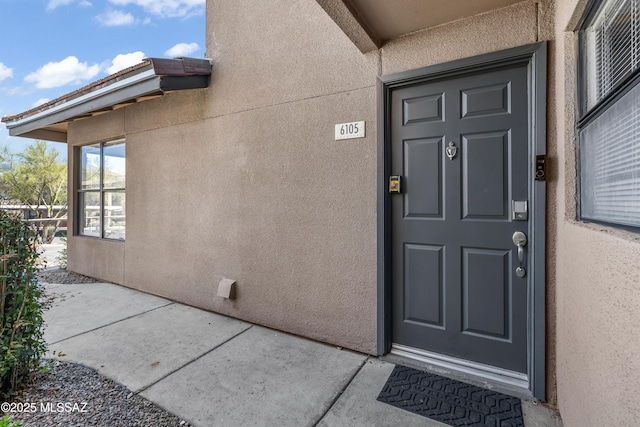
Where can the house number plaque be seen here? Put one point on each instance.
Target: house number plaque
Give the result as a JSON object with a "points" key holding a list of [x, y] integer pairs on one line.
{"points": [[350, 130]]}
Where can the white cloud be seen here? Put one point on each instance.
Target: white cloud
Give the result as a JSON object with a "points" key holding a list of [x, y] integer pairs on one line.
{"points": [[166, 8], [182, 49], [53, 4], [15, 91], [56, 74], [40, 102], [126, 60], [5, 72], [115, 18]]}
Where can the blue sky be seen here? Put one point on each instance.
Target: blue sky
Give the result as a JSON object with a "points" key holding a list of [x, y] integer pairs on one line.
{"points": [[51, 47]]}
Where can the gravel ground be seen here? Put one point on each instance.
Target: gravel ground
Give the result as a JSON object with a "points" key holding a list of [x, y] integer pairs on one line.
{"points": [[73, 395], [91, 399], [61, 276]]}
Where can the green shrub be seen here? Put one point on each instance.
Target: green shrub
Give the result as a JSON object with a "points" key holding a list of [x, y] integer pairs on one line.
{"points": [[21, 324], [62, 256], [6, 422]]}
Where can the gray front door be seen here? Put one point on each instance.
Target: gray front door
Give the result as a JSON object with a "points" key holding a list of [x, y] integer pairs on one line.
{"points": [[455, 290]]}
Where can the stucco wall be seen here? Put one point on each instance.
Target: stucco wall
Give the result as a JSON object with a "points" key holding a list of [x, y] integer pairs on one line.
{"points": [[598, 293], [277, 205], [598, 335], [244, 180], [501, 29]]}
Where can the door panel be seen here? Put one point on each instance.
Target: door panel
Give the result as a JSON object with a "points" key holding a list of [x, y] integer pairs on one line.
{"points": [[488, 100], [427, 108], [423, 158], [424, 304], [454, 290], [486, 304], [485, 175]]}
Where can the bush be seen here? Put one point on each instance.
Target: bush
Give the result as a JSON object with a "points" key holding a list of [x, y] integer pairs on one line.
{"points": [[62, 256], [21, 323], [6, 422]]}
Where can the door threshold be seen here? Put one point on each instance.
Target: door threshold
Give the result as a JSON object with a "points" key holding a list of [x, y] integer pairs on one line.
{"points": [[490, 377]]}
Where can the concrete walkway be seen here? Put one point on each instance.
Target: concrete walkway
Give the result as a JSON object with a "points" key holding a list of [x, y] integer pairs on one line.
{"points": [[211, 370]]}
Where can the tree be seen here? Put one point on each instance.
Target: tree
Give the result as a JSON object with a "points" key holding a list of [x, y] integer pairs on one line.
{"points": [[35, 178]]}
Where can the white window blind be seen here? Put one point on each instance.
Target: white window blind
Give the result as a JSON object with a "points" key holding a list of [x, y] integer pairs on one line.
{"points": [[610, 164], [612, 47], [609, 142]]}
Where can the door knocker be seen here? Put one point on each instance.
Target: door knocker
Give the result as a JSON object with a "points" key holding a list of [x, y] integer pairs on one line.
{"points": [[451, 150]]}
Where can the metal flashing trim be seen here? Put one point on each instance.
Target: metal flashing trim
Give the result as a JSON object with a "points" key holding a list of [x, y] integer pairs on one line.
{"points": [[152, 77], [490, 373], [69, 106]]}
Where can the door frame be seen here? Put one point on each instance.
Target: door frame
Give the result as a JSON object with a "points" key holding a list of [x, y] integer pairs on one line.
{"points": [[534, 56]]}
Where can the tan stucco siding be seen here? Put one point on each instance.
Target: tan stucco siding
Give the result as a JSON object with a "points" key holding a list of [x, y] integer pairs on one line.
{"points": [[102, 260], [269, 53], [275, 204], [489, 32], [245, 180], [598, 291], [598, 335]]}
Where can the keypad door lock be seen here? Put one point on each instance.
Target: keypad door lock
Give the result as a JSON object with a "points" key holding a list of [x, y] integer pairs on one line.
{"points": [[519, 210]]}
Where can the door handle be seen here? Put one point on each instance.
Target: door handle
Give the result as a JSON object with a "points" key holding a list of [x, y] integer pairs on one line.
{"points": [[520, 240]]}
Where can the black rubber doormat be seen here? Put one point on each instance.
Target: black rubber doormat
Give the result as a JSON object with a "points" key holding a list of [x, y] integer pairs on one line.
{"points": [[449, 401]]}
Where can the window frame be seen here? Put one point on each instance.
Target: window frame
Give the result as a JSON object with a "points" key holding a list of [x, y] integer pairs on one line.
{"points": [[101, 190], [586, 116]]}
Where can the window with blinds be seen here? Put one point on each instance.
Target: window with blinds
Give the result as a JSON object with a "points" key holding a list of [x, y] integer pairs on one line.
{"points": [[609, 129], [611, 48]]}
